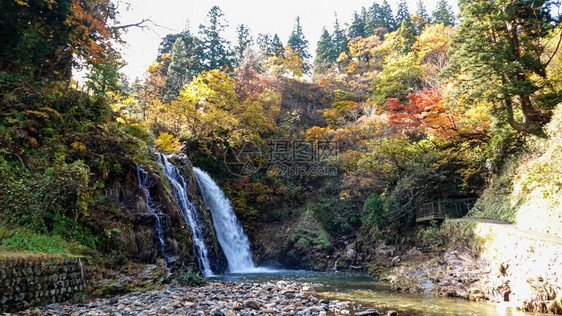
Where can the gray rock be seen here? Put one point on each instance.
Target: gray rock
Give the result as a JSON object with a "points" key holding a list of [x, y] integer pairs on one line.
{"points": [[54, 306], [253, 304], [217, 312], [369, 312]]}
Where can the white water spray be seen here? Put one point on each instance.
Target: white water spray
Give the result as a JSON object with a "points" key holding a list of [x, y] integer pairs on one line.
{"points": [[189, 213], [143, 181], [230, 234]]}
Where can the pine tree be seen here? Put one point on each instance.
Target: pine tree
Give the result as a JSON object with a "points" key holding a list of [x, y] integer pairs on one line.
{"points": [[277, 47], [270, 46], [372, 19], [357, 27], [403, 13], [443, 14], [178, 65], [339, 40], [297, 42], [499, 59], [405, 38], [325, 52], [422, 11], [386, 17], [185, 63], [215, 48], [245, 40]]}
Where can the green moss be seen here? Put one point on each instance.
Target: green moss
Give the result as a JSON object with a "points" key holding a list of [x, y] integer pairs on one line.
{"points": [[309, 234], [21, 239]]}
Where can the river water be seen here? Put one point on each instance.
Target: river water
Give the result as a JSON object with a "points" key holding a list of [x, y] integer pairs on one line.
{"points": [[371, 293]]}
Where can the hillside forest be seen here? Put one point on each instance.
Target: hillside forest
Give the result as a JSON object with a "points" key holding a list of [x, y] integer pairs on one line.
{"points": [[392, 110]]}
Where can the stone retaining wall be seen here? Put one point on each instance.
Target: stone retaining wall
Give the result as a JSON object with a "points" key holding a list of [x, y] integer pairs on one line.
{"points": [[32, 281]]}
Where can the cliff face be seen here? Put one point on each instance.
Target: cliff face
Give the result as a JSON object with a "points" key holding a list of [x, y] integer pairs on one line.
{"points": [[217, 258], [133, 236]]}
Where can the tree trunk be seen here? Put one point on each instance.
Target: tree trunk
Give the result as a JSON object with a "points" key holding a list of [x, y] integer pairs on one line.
{"points": [[533, 121]]}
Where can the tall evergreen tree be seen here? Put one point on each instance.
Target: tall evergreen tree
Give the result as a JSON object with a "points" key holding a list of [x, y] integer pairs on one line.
{"points": [[405, 38], [443, 14], [270, 46], [184, 64], [339, 40], [499, 50], [403, 13], [372, 19], [178, 69], [357, 27], [386, 17], [215, 48], [244, 39], [297, 41], [277, 47], [325, 52], [422, 11]]}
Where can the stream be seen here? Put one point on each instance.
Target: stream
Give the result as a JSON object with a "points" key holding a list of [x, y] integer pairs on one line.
{"points": [[370, 293]]}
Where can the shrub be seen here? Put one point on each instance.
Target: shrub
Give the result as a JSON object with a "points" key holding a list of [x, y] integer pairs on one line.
{"points": [[188, 277], [168, 143], [431, 235], [373, 210]]}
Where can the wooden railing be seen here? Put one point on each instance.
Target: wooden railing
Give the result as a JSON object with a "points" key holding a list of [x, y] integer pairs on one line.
{"points": [[440, 210]]}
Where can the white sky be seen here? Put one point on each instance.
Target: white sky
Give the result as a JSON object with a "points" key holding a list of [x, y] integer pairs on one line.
{"points": [[261, 16]]}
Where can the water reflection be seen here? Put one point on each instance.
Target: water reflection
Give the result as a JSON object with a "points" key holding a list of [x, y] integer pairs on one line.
{"points": [[371, 293]]}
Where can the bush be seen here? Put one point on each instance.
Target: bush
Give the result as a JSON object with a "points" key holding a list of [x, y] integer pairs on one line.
{"points": [[168, 143], [431, 236], [21, 239], [188, 277], [373, 210]]}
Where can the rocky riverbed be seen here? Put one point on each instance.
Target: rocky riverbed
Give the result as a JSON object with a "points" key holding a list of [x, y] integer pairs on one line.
{"points": [[217, 299]]}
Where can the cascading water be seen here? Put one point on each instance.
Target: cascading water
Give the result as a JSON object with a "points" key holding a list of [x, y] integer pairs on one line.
{"points": [[143, 181], [189, 213], [230, 234]]}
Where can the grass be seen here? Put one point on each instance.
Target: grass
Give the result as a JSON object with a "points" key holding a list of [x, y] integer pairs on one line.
{"points": [[19, 241], [528, 190]]}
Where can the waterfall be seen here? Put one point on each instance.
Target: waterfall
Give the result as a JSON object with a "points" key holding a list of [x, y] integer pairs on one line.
{"points": [[230, 234], [189, 213], [143, 181]]}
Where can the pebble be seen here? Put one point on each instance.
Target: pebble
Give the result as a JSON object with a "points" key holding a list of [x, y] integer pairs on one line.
{"points": [[216, 299]]}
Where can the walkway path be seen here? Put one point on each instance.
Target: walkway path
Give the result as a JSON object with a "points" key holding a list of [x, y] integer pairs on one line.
{"points": [[512, 228]]}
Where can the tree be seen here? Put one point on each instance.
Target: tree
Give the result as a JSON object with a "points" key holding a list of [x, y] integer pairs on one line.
{"points": [[422, 11], [357, 27], [277, 47], [179, 65], [245, 40], [402, 13], [298, 44], [379, 16], [497, 53], [270, 46], [216, 52], [325, 52], [400, 76], [386, 17], [45, 39], [443, 14], [405, 37], [290, 64], [339, 40], [431, 48]]}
